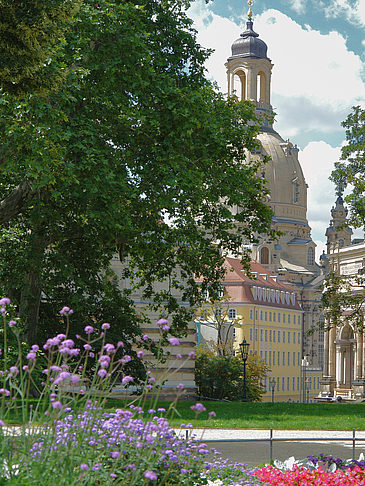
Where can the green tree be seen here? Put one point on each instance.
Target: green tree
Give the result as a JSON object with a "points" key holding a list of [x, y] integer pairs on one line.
{"points": [[221, 377], [30, 33], [137, 152]]}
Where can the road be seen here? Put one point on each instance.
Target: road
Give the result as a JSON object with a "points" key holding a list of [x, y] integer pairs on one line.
{"points": [[254, 453]]}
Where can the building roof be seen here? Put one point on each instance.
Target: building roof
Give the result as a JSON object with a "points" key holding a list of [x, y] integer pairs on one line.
{"points": [[248, 45], [263, 288]]}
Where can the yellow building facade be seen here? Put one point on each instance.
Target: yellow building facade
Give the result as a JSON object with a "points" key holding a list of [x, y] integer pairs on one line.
{"points": [[268, 315]]}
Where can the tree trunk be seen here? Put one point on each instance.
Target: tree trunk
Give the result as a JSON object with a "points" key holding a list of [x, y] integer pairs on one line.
{"points": [[31, 291]]}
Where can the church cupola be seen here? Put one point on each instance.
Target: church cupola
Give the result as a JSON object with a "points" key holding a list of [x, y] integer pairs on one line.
{"points": [[249, 71]]}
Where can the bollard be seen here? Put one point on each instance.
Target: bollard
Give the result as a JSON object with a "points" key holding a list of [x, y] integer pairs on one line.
{"points": [[270, 446], [353, 444], [186, 434]]}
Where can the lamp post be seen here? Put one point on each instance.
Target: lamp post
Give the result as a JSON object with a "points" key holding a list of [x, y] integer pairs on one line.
{"points": [[244, 355], [272, 383], [307, 388], [305, 364]]}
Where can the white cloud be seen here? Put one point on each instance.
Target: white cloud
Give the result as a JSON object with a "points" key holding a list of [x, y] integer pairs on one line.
{"points": [[317, 161], [298, 5], [355, 13]]}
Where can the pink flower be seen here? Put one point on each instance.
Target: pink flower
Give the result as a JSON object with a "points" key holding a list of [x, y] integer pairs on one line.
{"points": [[140, 354], [105, 326], [192, 355], [89, 329], [212, 414], [14, 370], [180, 386], [145, 337], [120, 344], [31, 355], [2, 423], [87, 347], [174, 341], [84, 467], [12, 323], [4, 301], [75, 378], [115, 454], [179, 356], [109, 348], [165, 328]]}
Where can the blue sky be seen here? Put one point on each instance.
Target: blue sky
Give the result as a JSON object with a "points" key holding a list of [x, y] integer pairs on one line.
{"points": [[318, 52]]}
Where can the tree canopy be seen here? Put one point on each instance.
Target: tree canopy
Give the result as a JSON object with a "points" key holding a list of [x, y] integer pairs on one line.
{"points": [[135, 151], [30, 34], [350, 170]]}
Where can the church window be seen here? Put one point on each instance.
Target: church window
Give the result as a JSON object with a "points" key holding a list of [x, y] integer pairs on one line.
{"points": [[296, 193], [265, 335], [232, 314], [256, 315], [298, 337], [261, 316], [283, 383], [288, 337], [264, 256], [288, 358], [274, 336], [251, 334], [278, 358], [320, 354], [266, 316], [283, 336], [239, 85], [294, 334], [279, 317], [274, 316], [273, 358], [256, 334], [310, 256], [251, 314], [261, 334], [321, 335], [288, 383], [284, 317], [288, 318]]}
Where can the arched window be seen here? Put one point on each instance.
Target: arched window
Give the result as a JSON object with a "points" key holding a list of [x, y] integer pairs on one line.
{"points": [[261, 86], [239, 85], [264, 256], [310, 256]]}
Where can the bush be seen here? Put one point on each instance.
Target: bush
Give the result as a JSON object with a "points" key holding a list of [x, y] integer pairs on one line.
{"points": [[221, 377]]}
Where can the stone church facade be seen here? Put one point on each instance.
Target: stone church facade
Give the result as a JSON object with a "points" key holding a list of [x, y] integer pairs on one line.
{"points": [[292, 255]]}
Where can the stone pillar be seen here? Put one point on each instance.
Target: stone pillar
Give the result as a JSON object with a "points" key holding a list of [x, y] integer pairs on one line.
{"points": [[332, 353], [326, 353], [359, 354], [251, 85]]}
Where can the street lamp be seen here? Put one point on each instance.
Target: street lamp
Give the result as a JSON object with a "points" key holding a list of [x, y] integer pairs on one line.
{"points": [[244, 355], [272, 383], [307, 388]]}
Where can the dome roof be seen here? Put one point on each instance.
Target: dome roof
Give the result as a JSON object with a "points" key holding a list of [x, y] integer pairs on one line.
{"points": [[285, 179], [248, 45]]}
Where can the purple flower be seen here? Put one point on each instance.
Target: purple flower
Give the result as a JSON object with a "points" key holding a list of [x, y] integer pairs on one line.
{"points": [[105, 326], [162, 322], [198, 407], [102, 373], [140, 354], [68, 343], [165, 328], [75, 378], [25, 368], [174, 341], [150, 475], [87, 347], [109, 348], [192, 355], [120, 344], [84, 467], [14, 370], [64, 310], [31, 355], [12, 323], [3, 310], [179, 356], [89, 329], [145, 337], [115, 454], [4, 301], [127, 379], [35, 347], [212, 414], [2, 423], [180, 386], [57, 405]]}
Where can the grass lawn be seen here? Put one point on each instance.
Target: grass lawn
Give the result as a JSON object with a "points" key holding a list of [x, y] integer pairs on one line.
{"points": [[238, 415]]}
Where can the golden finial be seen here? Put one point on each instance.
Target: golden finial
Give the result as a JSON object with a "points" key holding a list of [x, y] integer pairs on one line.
{"points": [[249, 3]]}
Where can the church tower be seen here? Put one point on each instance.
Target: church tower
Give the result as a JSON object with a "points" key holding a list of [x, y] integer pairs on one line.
{"points": [[338, 233], [292, 255]]}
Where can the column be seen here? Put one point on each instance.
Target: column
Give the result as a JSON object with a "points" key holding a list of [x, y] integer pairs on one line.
{"points": [[332, 353], [326, 353], [359, 354], [251, 85]]}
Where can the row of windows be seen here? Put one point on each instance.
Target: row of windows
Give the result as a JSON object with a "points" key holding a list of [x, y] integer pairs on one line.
{"points": [[292, 383], [273, 336], [269, 316], [281, 358], [272, 295]]}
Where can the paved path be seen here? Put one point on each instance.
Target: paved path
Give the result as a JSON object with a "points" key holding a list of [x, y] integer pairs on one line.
{"points": [[255, 453]]}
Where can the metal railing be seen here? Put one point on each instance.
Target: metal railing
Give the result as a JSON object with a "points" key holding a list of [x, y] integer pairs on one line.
{"points": [[271, 439]]}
